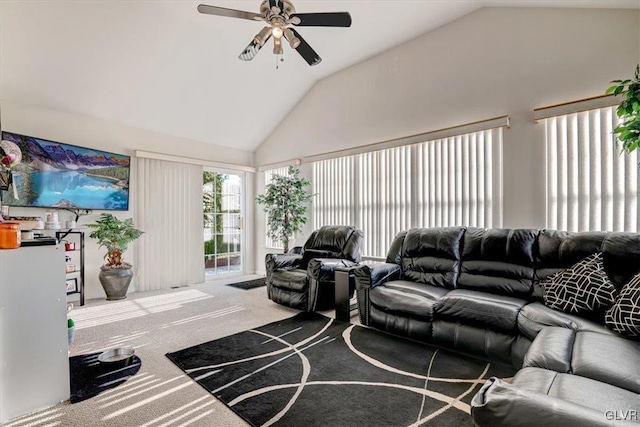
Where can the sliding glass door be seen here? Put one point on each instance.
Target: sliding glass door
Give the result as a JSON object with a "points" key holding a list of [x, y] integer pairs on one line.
{"points": [[223, 194]]}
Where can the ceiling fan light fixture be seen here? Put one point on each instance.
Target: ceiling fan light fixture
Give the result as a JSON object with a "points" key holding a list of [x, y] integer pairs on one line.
{"points": [[262, 37], [294, 42], [279, 15], [277, 32], [277, 46]]}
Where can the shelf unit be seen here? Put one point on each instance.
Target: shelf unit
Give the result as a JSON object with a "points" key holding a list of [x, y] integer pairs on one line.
{"points": [[78, 272]]}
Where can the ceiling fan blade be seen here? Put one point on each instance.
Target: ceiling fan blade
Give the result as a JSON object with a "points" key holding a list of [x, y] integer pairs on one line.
{"points": [[329, 19], [306, 51], [252, 49], [230, 13]]}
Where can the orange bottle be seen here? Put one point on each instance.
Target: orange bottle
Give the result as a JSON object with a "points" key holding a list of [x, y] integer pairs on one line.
{"points": [[9, 235]]}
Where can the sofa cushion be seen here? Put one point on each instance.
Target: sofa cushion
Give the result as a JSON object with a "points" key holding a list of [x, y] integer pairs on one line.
{"points": [[536, 316], [294, 280], [559, 250], [582, 391], [432, 255], [401, 324], [607, 358], [621, 256], [472, 307], [287, 297], [498, 261], [341, 240], [581, 289], [624, 315], [411, 298], [478, 341], [545, 398]]}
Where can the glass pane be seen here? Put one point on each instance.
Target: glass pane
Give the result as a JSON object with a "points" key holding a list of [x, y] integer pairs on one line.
{"points": [[208, 188], [232, 185], [235, 204], [225, 203], [222, 262], [209, 220], [209, 261], [233, 240], [234, 260], [216, 223], [209, 246], [230, 223]]}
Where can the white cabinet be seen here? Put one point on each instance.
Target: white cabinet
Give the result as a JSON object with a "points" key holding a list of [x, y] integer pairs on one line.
{"points": [[34, 360]]}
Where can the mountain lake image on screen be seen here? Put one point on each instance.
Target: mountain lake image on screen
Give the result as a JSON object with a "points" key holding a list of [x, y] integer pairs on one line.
{"points": [[54, 174]]}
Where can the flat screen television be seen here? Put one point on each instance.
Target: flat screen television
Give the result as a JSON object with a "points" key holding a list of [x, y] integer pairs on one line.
{"points": [[56, 175]]}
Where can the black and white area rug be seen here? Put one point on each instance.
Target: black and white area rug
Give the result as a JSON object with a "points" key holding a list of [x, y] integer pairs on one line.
{"points": [[250, 284], [89, 377], [313, 370]]}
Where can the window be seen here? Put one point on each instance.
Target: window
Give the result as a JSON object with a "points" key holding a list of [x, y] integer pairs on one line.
{"points": [[268, 176], [456, 180], [591, 185], [223, 235]]}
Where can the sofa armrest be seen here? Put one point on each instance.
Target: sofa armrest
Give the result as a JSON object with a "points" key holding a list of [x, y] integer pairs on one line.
{"points": [[324, 269], [296, 250], [278, 261], [499, 403], [536, 316], [371, 274], [552, 349]]}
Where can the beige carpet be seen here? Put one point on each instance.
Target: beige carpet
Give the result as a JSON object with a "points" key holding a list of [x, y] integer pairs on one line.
{"points": [[155, 323]]}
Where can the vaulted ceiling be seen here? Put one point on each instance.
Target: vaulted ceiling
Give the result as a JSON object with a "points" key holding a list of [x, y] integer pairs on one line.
{"points": [[162, 66]]}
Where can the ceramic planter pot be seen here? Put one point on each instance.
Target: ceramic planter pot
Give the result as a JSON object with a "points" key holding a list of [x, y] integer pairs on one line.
{"points": [[115, 281]]}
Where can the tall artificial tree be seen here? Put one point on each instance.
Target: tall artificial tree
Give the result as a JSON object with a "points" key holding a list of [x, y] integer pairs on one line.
{"points": [[628, 132], [285, 202]]}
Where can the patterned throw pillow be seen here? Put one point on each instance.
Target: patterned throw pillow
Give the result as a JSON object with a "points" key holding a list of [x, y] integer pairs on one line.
{"points": [[624, 316], [582, 289]]}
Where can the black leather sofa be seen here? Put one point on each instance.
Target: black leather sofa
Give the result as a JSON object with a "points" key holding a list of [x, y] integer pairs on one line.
{"points": [[306, 281], [477, 291]]}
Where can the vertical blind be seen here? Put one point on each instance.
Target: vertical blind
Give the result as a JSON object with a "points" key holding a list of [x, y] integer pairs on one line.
{"points": [[171, 250], [591, 185], [268, 177], [444, 182]]}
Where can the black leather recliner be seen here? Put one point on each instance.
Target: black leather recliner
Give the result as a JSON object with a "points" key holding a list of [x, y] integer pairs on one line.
{"points": [[307, 281]]}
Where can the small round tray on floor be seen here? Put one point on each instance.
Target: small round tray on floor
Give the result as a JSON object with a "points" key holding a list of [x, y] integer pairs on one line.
{"points": [[117, 355]]}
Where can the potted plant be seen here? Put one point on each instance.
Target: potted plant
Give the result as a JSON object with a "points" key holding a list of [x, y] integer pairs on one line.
{"points": [[115, 235], [628, 132], [71, 327], [284, 202]]}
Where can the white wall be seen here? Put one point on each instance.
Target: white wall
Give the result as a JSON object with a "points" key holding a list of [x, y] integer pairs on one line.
{"points": [[492, 62], [110, 136]]}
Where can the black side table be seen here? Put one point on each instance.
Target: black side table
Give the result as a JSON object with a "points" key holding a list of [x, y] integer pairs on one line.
{"points": [[345, 285]]}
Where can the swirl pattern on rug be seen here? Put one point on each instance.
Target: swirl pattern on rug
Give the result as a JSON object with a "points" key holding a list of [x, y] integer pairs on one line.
{"points": [[313, 370]]}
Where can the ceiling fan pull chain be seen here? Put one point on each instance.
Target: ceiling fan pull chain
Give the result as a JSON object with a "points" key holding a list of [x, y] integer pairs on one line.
{"points": [[281, 58]]}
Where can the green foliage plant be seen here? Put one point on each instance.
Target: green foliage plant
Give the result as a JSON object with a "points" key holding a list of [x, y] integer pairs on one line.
{"points": [[628, 132], [115, 235], [285, 202]]}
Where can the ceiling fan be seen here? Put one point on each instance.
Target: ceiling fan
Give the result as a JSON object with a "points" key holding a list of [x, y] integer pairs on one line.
{"points": [[280, 15]]}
